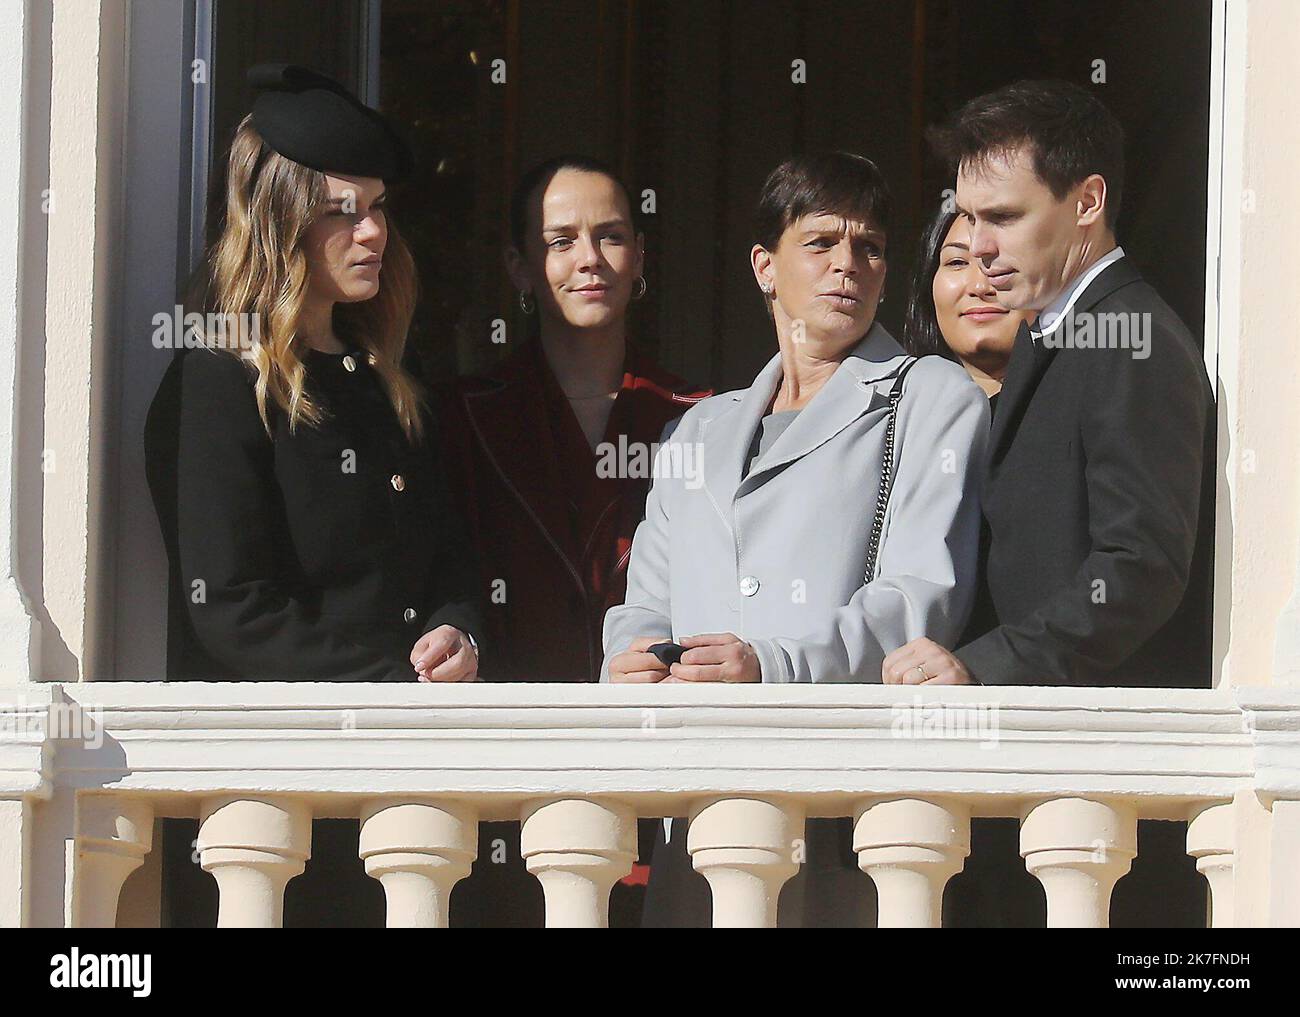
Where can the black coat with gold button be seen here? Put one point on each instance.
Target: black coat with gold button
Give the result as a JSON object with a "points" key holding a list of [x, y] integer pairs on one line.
{"points": [[317, 555]]}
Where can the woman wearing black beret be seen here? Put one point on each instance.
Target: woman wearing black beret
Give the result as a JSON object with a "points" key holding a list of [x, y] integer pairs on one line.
{"points": [[308, 524]]}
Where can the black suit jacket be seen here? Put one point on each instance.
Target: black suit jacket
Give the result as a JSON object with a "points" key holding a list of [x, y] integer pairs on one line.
{"points": [[300, 557], [1099, 495]]}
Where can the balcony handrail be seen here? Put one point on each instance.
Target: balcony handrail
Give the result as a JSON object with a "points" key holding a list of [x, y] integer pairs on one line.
{"points": [[670, 742]]}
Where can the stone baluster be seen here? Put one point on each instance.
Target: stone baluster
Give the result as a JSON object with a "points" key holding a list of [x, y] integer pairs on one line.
{"points": [[911, 848], [418, 850], [746, 849], [1078, 849], [1210, 840], [578, 849], [113, 834], [253, 847]]}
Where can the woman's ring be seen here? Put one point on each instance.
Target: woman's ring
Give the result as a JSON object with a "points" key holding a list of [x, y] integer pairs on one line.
{"points": [[921, 668]]}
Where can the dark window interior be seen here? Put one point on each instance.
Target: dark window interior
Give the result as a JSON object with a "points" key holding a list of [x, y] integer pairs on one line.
{"points": [[694, 100]]}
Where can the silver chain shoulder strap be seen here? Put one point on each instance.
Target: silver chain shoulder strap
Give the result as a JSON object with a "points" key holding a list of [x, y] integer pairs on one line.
{"points": [[887, 469]]}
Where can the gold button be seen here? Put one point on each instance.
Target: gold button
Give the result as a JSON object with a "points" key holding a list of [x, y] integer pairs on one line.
{"points": [[398, 483], [349, 363]]}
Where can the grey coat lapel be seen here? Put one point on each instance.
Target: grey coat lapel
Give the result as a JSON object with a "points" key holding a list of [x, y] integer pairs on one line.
{"points": [[851, 391], [727, 436]]}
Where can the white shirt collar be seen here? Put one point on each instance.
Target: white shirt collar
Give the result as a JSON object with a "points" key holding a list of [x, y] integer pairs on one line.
{"points": [[1051, 316]]}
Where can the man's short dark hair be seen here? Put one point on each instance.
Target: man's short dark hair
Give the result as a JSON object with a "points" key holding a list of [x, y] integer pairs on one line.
{"points": [[839, 183], [1070, 134]]}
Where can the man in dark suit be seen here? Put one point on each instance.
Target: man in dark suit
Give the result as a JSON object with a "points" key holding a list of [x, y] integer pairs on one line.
{"points": [[1099, 484], [1099, 487]]}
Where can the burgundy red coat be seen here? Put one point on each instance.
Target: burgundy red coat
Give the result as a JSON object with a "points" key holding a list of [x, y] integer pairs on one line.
{"points": [[554, 536]]}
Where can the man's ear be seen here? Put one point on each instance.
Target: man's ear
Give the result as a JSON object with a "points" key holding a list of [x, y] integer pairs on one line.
{"points": [[1091, 204], [760, 260]]}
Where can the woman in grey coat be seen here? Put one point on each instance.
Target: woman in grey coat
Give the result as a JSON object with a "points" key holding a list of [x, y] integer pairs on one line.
{"points": [[758, 552]]}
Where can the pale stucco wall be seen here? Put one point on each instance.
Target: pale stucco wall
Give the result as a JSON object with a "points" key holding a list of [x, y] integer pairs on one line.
{"points": [[1259, 362], [86, 129]]}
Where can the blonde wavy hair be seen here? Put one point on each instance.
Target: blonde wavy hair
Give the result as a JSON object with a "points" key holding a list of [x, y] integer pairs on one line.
{"points": [[257, 266]]}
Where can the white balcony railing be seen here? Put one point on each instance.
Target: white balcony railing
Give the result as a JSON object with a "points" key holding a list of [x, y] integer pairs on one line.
{"points": [[92, 765]]}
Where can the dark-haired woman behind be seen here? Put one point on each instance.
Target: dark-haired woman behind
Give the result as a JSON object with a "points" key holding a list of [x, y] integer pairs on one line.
{"points": [[553, 510], [535, 447], [952, 310]]}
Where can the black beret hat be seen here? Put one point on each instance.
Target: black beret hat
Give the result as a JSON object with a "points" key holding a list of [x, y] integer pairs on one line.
{"points": [[315, 121]]}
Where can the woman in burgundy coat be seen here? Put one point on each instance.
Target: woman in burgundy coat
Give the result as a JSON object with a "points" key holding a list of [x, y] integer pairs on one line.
{"points": [[550, 456]]}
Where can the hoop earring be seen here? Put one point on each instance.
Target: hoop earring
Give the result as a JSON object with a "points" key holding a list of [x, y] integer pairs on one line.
{"points": [[526, 302], [638, 293]]}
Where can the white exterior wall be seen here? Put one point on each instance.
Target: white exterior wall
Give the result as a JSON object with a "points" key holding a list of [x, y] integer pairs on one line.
{"points": [[1259, 358]]}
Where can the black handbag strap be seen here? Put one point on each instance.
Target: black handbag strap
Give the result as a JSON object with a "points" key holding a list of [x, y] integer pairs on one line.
{"points": [[887, 470]]}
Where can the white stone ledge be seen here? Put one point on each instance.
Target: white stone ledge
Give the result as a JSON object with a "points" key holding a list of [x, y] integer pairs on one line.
{"points": [[658, 747], [1272, 714]]}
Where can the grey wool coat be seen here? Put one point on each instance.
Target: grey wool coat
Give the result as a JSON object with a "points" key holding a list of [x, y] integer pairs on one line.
{"points": [[778, 556]]}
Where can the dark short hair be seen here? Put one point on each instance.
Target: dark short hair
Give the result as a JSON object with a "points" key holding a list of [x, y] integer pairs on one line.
{"points": [[922, 336], [1070, 134], [839, 183], [540, 175]]}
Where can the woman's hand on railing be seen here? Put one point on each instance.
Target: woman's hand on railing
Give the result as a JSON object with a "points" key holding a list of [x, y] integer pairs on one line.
{"points": [[637, 664], [445, 654], [716, 657]]}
